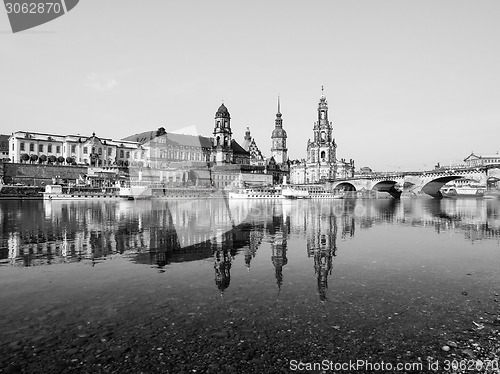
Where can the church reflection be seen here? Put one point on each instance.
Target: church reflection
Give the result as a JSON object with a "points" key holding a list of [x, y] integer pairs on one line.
{"points": [[279, 232], [161, 233], [222, 266], [322, 242]]}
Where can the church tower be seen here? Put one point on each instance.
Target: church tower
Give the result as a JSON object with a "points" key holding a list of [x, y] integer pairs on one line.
{"points": [[321, 151], [222, 151], [279, 150]]}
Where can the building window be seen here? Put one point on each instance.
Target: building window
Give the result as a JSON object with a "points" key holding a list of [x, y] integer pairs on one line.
{"points": [[121, 154], [32, 147], [40, 147], [73, 148], [100, 151], [58, 149], [109, 151], [85, 150], [49, 148], [128, 154], [21, 146]]}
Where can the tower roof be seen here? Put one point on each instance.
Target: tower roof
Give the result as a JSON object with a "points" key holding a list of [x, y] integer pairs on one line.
{"points": [[222, 111], [279, 111], [278, 132]]}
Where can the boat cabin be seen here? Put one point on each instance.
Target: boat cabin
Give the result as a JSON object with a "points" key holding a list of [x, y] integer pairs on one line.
{"points": [[53, 188]]}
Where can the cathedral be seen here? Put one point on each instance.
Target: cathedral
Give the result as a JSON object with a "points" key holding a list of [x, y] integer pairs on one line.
{"points": [[321, 163]]}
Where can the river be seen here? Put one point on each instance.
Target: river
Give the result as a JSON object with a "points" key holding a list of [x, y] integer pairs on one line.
{"points": [[247, 286]]}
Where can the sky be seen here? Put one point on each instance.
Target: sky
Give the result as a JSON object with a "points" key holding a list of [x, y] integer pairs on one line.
{"points": [[409, 83]]}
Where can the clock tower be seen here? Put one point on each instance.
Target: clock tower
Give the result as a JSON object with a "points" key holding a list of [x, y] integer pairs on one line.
{"points": [[279, 150]]}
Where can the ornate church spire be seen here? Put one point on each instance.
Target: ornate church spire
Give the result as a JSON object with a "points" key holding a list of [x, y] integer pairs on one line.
{"points": [[279, 149]]}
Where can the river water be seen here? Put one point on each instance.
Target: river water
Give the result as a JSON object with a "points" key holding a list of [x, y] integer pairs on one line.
{"points": [[244, 286]]}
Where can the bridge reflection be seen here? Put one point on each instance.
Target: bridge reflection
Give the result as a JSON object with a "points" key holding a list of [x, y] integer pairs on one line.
{"points": [[159, 234]]}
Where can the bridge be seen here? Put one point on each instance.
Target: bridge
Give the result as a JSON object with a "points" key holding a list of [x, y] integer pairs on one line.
{"points": [[416, 183]]}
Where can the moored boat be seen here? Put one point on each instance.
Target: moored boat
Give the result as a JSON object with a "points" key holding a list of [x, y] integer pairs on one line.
{"points": [[135, 192], [55, 192], [295, 192], [469, 190], [256, 192], [310, 192]]}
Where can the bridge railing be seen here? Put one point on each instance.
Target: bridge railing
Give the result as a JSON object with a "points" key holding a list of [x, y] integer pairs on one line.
{"points": [[445, 170]]}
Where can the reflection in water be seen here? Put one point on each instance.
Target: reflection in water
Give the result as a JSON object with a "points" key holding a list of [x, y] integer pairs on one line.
{"points": [[322, 241], [160, 233], [222, 266], [279, 232]]}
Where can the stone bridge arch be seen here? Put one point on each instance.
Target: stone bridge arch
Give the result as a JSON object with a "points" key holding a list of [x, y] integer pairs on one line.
{"points": [[433, 186], [346, 186], [493, 175], [390, 186]]}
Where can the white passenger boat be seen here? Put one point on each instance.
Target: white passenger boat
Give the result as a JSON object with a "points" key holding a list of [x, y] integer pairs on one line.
{"points": [[295, 192], [135, 192], [310, 192], [261, 192], [55, 192], [469, 190]]}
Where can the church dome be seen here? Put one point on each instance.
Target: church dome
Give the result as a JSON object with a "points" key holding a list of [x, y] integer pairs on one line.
{"points": [[222, 111], [278, 133]]}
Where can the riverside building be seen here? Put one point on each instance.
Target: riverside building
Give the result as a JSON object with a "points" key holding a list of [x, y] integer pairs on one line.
{"points": [[185, 160]]}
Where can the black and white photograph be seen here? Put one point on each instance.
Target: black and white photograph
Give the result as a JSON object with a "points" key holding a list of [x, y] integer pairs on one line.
{"points": [[249, 186]]}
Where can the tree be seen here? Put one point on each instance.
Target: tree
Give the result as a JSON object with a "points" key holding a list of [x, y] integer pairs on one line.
{"points": [[161, 131], [60, 159], [69, 160], [25, 157], [42, 159], [33, 158], [52, 159]]}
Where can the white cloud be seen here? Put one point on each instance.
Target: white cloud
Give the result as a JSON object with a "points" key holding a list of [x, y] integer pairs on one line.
{"points": [[106, 81], [100, 82]]}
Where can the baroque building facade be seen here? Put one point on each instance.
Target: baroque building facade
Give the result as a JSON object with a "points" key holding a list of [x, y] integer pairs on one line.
{"points": [[34, 147], [179, 160], [218, 161], [321, 163]]}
